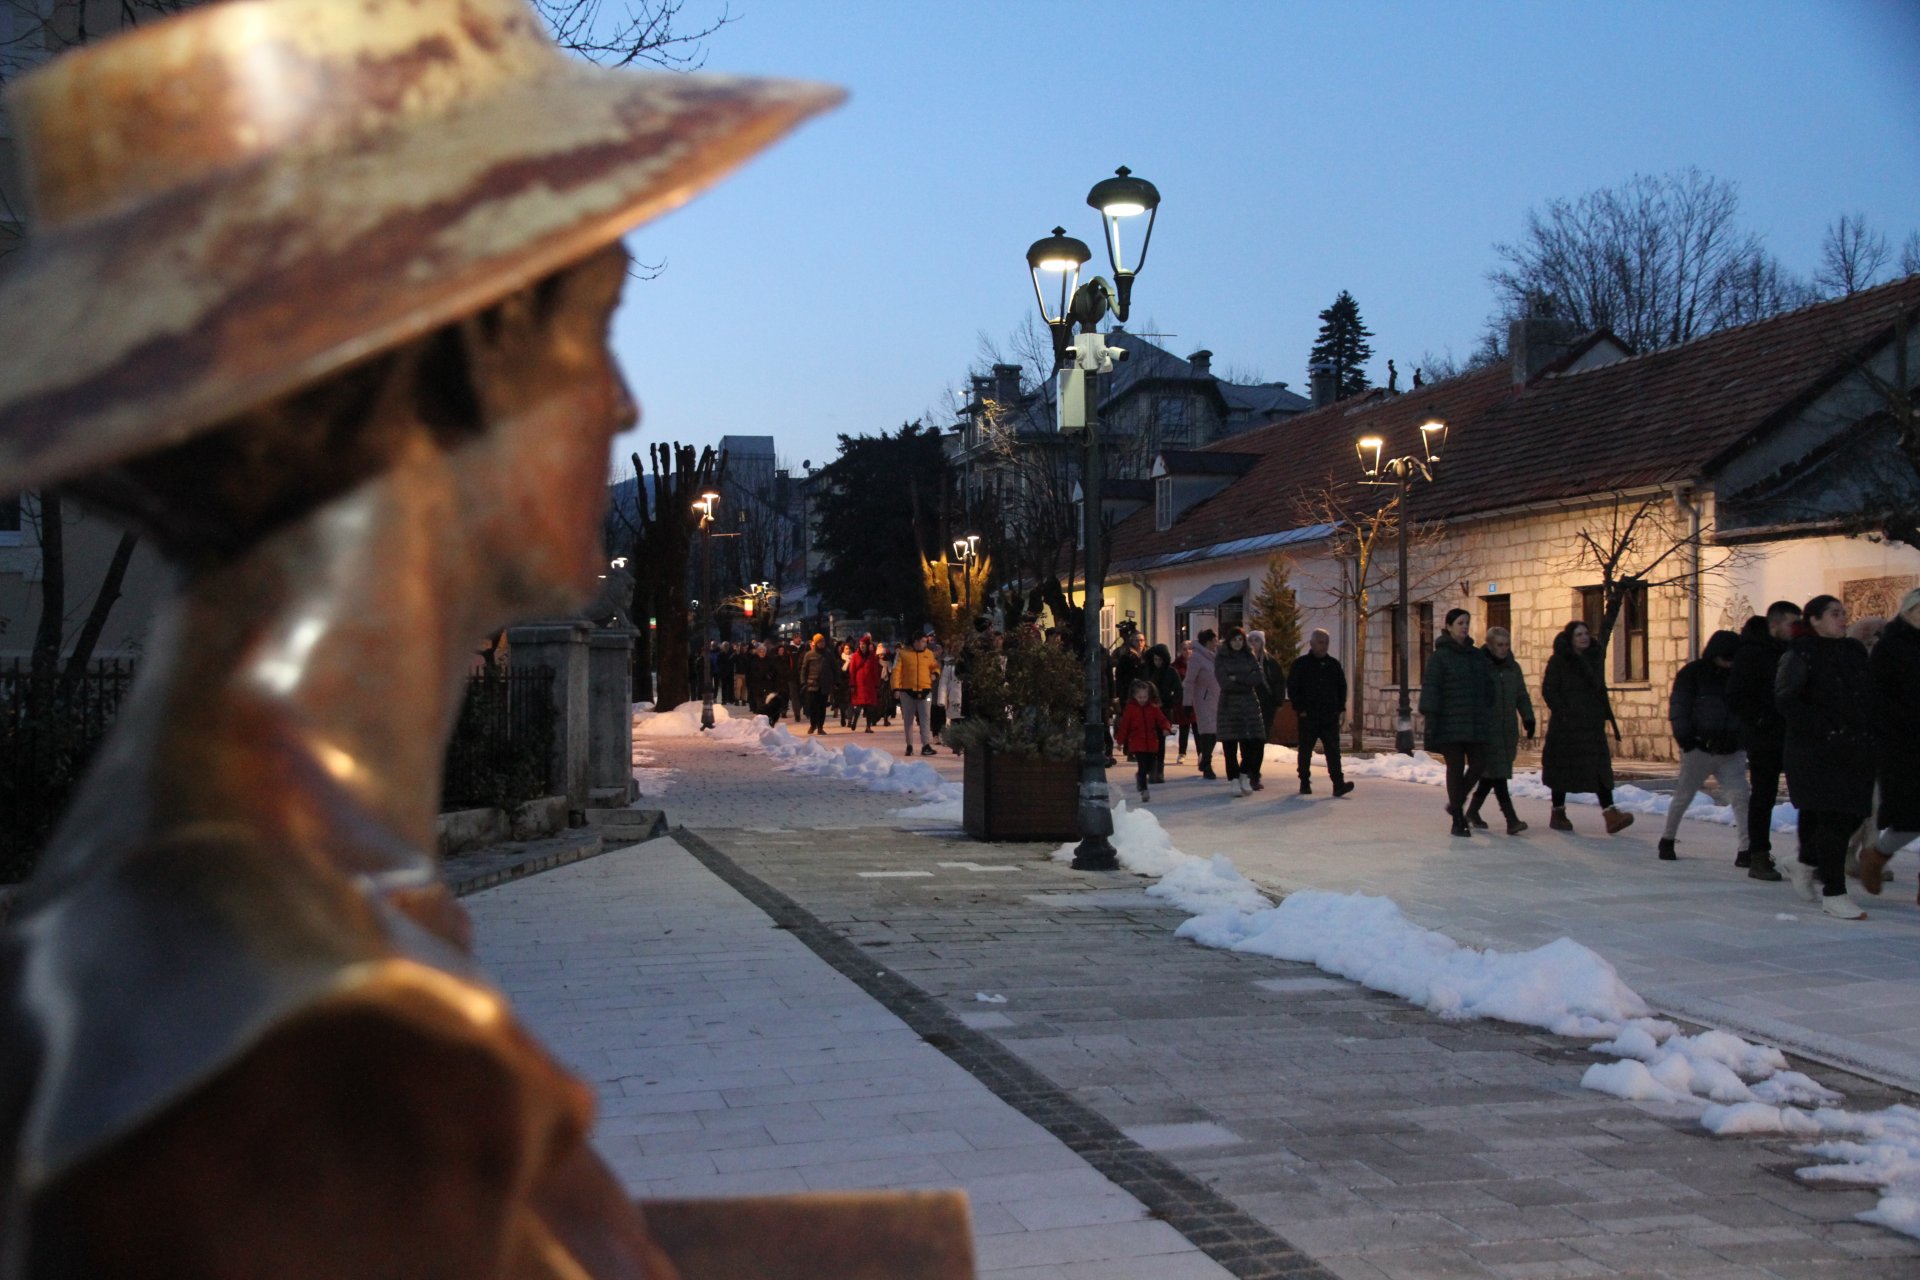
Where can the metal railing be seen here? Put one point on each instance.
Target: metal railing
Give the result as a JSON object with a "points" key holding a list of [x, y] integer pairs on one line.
{"points": [[503, 743]]}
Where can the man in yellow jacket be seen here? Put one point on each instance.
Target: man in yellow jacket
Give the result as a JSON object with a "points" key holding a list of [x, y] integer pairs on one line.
{"points": [[913, 675]]}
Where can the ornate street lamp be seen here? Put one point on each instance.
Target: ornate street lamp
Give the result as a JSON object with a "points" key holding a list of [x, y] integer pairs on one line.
{"points": [[705, 507], [1400, 472], [1058, 259], [1119, 198], [966, 551]]}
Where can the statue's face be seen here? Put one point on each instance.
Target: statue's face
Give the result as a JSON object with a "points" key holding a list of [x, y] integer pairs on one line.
{"points": [[536, 483]]}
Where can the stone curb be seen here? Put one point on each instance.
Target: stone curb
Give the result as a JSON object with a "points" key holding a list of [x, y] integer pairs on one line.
{"points": [[491, 868], [1213, 1224]]}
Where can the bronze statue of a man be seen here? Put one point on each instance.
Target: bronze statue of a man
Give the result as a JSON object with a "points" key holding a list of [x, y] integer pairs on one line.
{"points": [[317, 296]]}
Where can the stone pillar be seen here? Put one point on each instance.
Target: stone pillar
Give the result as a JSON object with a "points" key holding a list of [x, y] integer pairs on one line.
{"points": [[610, 717], [561, 646]]}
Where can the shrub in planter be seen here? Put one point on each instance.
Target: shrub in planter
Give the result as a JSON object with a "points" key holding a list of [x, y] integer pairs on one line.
{"points": [[1021, 736]]}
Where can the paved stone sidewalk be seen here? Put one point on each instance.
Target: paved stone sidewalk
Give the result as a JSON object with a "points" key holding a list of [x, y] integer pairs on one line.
{"points": [[732, 1060], [1377, 1138]]}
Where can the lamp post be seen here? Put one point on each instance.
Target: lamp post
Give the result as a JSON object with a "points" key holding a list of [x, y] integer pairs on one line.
{"points": [[1401, 470], [1056, 260], [967, 550], [707, 502]]}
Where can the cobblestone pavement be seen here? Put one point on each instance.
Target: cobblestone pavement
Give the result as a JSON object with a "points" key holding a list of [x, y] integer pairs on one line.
{"points": [[1283, 1107]]}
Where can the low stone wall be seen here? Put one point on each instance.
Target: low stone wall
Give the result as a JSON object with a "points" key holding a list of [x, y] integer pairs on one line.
{"points": [[465, 829]]}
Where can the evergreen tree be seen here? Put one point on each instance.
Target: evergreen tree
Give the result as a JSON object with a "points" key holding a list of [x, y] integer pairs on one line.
{"points": [[874, 520], [1343, 346], [1276, 611]]}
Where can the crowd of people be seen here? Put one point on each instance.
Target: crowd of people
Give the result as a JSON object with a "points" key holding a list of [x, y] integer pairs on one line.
{"points": [[1804, 693]]}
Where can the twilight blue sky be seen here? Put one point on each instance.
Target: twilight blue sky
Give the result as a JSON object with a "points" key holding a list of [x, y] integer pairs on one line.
{"points": [[840, 283]]}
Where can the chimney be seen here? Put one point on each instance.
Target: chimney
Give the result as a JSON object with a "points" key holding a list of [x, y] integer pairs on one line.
{"points": [[1006, 383], [1537, 339], [1202, 362], [1320, 376], [982, 387]]}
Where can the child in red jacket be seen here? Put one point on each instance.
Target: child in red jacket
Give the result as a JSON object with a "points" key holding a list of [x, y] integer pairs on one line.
{"points": [[1143, 730]]}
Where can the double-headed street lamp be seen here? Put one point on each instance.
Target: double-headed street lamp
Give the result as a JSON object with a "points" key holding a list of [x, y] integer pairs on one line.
{"points": [[1055, 264], [965, 552], [1400, 472], [758, 598], [705, 507]]}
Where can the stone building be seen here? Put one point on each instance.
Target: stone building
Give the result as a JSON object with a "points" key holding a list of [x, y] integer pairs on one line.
{"points": [[1754, 464]]}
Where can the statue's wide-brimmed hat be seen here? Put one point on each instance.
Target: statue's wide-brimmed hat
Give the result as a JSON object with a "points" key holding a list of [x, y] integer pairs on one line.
{"points": [[236, 202]]}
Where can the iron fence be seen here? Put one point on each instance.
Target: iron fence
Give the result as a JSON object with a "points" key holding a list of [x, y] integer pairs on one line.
{"points": [[49, 729], [50, 726], [502, 745]]}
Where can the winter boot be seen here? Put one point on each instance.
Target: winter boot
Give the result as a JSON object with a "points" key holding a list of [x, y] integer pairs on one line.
{"points": [[1240, 787], [1514, 825], [1743, 859], [1460, 828], [1616, 820], [1841, 906], [1342, 789], [1254, 783], [1474, 819], [1559, 820], [1666, 851], [1873, 869], [1143, 793], [1306, 786], [1762, 868]]}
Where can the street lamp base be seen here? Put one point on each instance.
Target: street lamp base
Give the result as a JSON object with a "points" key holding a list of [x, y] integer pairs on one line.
{"points": [[706, 714], [1403, 742], [1095, 853]]}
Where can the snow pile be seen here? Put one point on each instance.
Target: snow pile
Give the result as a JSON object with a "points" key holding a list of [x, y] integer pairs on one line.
{"points": [[868, 767], [1200, 885], [1428, 771], [1732, 1084], [1563, 986]]}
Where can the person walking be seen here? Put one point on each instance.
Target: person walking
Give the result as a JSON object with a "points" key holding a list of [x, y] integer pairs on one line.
{"points": [[843, 684], [914, 673], [1825, 693], [1168, 693], [1273, 694], [723, 673], [1707, 730], [1142, 732], [1456, 708], [1576, 758], [816, 683], [1203, 695], [1242, 732], [1510, 703], [742, 662], [1317, 687], [1763, 642], [863, 671], [1183, 720], [1895, 667]]}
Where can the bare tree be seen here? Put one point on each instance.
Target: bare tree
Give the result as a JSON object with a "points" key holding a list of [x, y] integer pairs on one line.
{"points": [[654, 528], [1362, 545], [1910, 254], [1852, 256], [1641, 543], [1657, 260]]}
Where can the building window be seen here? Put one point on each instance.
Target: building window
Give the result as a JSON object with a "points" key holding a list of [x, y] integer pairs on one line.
{"points": [[1628, 645], [1163, 503], [1106, 626], [1499, 613], [1422, 643], [1172, 419]]}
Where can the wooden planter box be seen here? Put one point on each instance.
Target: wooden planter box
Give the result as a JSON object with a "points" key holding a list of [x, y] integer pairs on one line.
{"points": [[1009, 797]]}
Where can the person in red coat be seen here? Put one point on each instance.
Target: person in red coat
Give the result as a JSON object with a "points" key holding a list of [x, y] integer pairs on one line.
{"points": [[863, 672], [1143, 730]]}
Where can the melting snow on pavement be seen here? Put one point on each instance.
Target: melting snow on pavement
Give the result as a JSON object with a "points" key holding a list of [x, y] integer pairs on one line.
{"points": [[1733, 1085]]}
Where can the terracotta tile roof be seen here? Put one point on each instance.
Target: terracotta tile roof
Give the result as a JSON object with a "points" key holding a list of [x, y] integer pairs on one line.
{"points": [[1670, 415]]}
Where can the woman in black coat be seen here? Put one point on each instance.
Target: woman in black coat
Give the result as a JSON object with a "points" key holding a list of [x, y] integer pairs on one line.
{"points": [[1576, 758], [1895, 667], [1825, 693], [1243, 734], [1456, 704]]}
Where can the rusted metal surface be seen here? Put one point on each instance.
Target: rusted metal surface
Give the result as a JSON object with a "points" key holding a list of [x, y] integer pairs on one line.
{"points": [[902, 1235], [288, 185], [318, 297]]}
